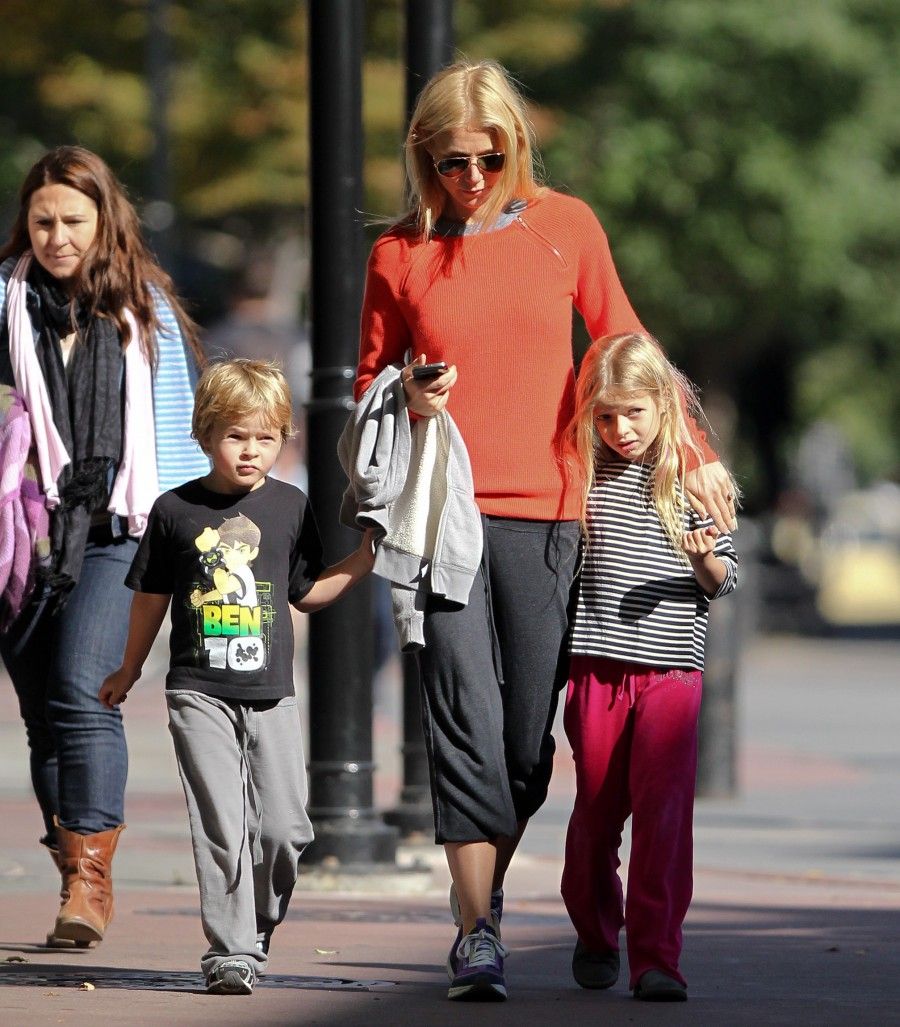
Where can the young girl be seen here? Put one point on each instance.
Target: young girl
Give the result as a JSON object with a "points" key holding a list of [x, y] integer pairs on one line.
{"points": [[651, 566]]}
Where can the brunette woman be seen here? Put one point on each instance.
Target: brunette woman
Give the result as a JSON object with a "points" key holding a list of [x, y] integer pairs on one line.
{"points": [[96, 346]]}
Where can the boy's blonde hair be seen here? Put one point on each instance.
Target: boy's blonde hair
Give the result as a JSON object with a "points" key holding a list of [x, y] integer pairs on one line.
{"points": [[615, 369], [478, 96], [234, 389]]}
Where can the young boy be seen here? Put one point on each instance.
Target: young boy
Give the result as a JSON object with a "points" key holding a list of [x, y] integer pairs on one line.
{"points": [[230, 551]]}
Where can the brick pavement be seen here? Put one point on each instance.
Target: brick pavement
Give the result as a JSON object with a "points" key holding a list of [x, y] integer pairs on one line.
{"points": [[795, 918]]}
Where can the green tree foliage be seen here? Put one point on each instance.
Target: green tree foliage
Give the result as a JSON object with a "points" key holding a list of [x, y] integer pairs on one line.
{"points": [[744, 159], [75, 72]]}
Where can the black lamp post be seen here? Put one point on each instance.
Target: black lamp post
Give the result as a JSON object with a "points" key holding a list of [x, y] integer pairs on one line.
{"points": [[340, 639]]}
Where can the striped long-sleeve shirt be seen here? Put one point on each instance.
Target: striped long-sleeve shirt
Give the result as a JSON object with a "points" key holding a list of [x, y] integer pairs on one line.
{"points": [[638, 600]]}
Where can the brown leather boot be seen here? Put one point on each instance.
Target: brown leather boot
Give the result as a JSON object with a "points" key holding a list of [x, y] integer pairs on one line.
{"points": [[85, 862], [52, 941]]}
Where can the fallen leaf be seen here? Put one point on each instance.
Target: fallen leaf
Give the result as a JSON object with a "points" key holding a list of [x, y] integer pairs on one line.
{"points": [[326, 952], [86, 986], [15, 959]]}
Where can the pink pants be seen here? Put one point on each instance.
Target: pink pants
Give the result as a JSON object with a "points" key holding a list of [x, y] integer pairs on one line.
{"points": [[633, 732]]}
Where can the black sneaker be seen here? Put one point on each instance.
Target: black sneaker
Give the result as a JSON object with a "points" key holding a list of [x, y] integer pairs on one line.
{"points": [[479, 967], [655, 986], [594, 969], [233, 977]]}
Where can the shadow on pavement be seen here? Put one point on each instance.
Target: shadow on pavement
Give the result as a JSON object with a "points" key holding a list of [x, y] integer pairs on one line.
{"points": [[35, 975]]}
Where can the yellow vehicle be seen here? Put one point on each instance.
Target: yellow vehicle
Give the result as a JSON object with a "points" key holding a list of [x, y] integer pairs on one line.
{"points": [[859, 559]]}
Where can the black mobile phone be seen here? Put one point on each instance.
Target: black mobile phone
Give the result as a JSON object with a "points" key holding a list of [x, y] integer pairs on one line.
{"points": [[429, 370]]}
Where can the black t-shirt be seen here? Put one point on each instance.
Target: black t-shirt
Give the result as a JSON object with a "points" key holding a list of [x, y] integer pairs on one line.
{"points": [[232, 564]]}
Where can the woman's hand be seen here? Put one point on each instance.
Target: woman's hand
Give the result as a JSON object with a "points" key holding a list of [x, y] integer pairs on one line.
{"points": [[428, 396], [710, 493]]}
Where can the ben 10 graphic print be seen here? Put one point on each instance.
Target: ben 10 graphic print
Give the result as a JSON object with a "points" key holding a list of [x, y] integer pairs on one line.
{"points": [[235, 611]]}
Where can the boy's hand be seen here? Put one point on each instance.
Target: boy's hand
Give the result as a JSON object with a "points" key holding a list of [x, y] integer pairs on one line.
{"points": [[700, 541], [116, 687]]}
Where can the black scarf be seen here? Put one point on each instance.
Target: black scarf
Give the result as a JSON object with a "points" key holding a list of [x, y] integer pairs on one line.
{"points": [[87, 403]]}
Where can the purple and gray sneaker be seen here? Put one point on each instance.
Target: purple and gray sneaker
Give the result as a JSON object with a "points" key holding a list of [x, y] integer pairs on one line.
{"points": [[479, 967], [496, 917]]}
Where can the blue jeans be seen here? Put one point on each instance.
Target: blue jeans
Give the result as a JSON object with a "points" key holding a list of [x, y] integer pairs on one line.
{"points": [[79, 760]]}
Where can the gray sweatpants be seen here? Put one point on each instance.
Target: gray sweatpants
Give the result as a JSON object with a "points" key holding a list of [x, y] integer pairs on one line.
{"points": [[244, 780]]}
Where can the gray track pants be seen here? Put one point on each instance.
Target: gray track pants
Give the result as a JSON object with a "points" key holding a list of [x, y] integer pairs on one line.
{"points": [[244, 781]]}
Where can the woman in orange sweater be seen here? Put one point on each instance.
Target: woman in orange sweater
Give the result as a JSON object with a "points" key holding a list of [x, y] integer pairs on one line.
{"points": [[483, 274]]}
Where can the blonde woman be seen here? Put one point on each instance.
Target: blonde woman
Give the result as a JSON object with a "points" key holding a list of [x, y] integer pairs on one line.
{"points": [[651, 567], [483, 274]]}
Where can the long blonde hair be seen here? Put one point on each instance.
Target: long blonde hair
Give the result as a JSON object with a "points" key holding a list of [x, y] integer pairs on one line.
{"points": [[482, 97], [616, 368]]}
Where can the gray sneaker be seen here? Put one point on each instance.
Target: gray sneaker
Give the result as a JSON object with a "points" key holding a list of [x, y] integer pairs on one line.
{"points": [[233, 977], [496, 917], [479, 967], [263, 940]]}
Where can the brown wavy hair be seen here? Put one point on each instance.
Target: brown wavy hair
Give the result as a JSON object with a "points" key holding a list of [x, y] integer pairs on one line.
{"points": [[118, 270]]}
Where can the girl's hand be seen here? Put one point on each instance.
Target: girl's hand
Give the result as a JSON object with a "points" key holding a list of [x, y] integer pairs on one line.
{"points": [[700, 541], [116, 687], [708, 569], [709, 492], [428, 396]]}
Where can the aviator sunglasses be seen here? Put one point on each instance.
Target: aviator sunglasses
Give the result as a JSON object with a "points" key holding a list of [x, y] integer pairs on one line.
{"points": [[453, 167]]}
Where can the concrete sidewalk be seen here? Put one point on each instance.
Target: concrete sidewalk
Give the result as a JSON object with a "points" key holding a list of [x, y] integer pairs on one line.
{"points": [[796, 917]]}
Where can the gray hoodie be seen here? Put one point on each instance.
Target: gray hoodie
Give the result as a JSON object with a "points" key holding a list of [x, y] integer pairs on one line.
{"points": [[412, 483]]}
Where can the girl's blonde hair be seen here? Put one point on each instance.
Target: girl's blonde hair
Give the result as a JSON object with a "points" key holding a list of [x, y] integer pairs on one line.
{"points": [[615, 369], [481, 97], [234, 389]]}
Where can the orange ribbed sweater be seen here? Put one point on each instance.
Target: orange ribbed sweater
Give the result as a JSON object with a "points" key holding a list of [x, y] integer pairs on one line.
{"points": [[498, 305]]}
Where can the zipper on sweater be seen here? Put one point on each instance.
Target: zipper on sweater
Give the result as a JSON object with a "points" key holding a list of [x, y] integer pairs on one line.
{"points": [[542, 239]]}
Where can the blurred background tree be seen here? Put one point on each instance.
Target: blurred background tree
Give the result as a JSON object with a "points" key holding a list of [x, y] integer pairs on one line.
{"points": [[743, 158]]}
